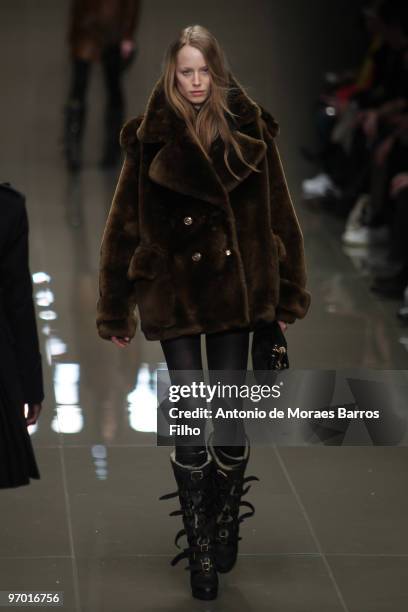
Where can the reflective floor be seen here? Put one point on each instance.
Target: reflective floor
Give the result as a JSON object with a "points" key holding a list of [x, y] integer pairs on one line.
{"points": [[330, 531]]}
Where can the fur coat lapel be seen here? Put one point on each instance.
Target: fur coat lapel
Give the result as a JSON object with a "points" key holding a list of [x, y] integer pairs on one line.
{"points": [[181, 166]]}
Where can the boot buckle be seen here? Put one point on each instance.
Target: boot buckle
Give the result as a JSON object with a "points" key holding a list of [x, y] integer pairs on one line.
{"points": [[206, 564], [199, 474], [223, 534], [203, 544]]}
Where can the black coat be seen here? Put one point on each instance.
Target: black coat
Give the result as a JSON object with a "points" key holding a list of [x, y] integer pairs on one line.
{"points": [[20, 365]]}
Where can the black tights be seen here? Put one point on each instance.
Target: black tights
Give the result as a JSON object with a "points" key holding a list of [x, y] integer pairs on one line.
{"points": [[111, 66], [227, 350]]}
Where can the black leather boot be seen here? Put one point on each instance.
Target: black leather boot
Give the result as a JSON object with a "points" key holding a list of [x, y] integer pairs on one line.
{"points": [[391, 286], [229, 488], [195, 492], [74, 122], [114, 119]]}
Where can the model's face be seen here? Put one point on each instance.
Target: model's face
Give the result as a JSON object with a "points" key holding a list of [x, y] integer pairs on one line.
{"points": [[192, 75]]}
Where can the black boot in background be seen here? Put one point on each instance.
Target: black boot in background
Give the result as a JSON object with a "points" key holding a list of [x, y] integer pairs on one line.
{"points": [[229, 484], [74, 122], [112, 154], [195, 492]]}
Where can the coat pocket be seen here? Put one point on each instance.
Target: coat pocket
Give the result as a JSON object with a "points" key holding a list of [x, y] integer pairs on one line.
{"points": [[280, 247], [153, 287], [147, 262]]}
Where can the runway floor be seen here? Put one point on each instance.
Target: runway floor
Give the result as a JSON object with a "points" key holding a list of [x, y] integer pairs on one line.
{"points": [[330, 530]]}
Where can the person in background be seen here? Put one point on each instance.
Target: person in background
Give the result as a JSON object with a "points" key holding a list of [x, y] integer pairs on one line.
{"points": [[99, 31], [356, 116], [335, 118], [399, 191], [21, 380]]}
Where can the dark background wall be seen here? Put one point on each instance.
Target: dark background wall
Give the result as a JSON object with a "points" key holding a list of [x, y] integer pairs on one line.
{"points": [[278, 49]]}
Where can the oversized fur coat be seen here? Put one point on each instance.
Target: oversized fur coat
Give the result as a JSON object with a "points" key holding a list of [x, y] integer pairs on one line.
{"points": [[197, 250], [96, 24]]}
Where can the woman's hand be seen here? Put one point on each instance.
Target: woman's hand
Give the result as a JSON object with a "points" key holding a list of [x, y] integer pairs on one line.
{"points": [[398, 183], [120, 341], [283, 325], [370, 123], [126, 48], [383, 150], [32, 414]]}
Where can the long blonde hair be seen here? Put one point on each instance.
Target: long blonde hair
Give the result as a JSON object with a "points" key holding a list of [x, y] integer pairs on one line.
{"points": [[211, 121]]}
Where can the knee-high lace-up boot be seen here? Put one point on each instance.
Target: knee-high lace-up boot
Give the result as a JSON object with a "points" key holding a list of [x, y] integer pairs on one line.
{"points": [[229, 487], [195, 492]]}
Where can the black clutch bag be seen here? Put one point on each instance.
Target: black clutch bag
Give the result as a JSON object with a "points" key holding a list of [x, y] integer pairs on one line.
{"points": [[269, 348]]}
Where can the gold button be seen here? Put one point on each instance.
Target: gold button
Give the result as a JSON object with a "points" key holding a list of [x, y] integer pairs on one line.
{"points": [[196, 256], [228, 252], [188, 220]]}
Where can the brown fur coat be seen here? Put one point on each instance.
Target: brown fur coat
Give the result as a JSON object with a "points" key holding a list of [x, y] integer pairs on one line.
{"points": [[196, 249], [96, 24]]}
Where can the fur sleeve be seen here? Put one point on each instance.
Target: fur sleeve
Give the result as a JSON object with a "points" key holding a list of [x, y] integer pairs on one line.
{"points": [[294, 299], [116, 305]]}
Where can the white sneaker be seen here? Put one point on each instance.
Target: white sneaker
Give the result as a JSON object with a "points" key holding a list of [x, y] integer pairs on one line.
{"points": [[355, 216], [319, 186], [358, 256], [364, 235]]}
